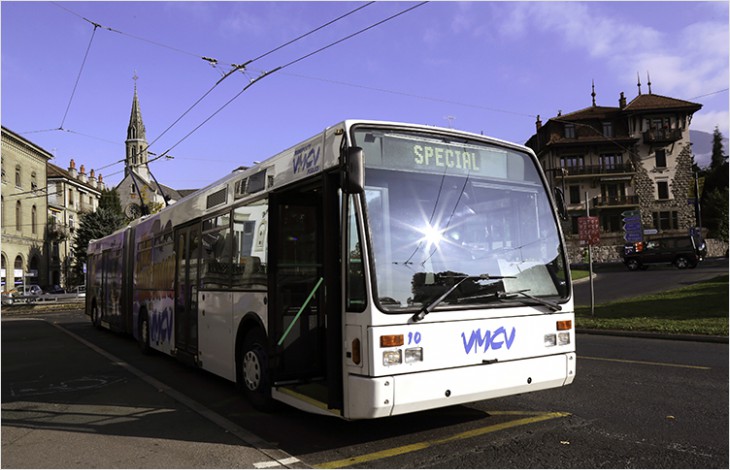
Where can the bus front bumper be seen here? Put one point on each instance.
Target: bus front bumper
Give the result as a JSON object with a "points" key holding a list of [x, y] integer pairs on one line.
{"points": [[375, 397]]}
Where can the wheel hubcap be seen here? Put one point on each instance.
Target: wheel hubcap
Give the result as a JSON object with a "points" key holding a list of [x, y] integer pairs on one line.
{"points": [[251, 370]]}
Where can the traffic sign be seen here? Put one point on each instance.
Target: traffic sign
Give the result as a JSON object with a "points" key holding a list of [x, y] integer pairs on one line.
{"points": [[589, 230]]}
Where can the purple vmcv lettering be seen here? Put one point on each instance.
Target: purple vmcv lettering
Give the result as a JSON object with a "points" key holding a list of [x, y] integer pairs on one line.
{"points": [[306, 161], [488, 340]]}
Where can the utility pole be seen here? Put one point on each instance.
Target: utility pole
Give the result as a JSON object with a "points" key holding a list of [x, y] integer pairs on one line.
{"points": [[590, 261]]}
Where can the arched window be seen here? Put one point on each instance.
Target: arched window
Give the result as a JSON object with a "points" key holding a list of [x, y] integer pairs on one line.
{"points": [[18, 271], [18, 216], [33, 220], [17, 177], [33, 181]]}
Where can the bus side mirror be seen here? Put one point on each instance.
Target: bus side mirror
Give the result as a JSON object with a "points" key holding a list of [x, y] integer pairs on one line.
{"points": [[353, 172], [560, 203]]}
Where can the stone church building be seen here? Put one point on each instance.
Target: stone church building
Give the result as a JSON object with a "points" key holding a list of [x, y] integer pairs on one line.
{"points": [[139, 187]]}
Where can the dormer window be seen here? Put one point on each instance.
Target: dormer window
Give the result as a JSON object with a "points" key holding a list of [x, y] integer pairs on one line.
{"points": [[569, 131], [608, 129]]}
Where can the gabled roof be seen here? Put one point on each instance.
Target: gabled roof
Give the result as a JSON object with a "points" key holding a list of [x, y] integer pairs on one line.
{"points": [[591, 112], [659, 102]]}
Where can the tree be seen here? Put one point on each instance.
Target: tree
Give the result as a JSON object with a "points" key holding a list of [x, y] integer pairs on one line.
{"points": [[716, 213], [718, 152], [110, 200], [92, 225], [715, 191]]}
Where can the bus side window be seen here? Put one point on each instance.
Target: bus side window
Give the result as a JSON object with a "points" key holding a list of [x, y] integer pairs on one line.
{"points": [[248, 270], [355, 269], [216, 258]]}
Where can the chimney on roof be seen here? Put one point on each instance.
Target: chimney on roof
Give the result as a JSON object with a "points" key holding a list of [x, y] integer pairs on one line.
{"points": [[72, 168], [538, 123], [560, 112], [92, 179], [101, 182], [82, 175], [622, 101]]}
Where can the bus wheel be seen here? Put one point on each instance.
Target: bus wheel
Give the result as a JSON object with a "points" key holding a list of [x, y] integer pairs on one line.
{"points": [[144, 334], [254, 371]]}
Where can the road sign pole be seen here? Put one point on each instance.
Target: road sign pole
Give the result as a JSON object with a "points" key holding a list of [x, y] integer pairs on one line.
{"points": [[590, 261]]}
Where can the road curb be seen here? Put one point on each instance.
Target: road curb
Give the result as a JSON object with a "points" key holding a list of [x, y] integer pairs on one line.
{"points": [[654, 335]]}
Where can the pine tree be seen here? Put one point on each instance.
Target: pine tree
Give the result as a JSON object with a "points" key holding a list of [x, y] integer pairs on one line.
{"points": [[718, 152], [715, 191]]}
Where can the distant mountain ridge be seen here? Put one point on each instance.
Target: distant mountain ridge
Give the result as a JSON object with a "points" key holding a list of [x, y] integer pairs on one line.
{"points": [[702, 147]]}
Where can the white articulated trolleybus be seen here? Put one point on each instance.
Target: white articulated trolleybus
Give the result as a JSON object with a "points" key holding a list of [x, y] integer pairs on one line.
{"points": [[375, 269]]}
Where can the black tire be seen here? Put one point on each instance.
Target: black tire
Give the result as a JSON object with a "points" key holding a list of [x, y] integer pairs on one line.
{"points": [[253, 367], [144, 334], [633, 264], [681, 262]]}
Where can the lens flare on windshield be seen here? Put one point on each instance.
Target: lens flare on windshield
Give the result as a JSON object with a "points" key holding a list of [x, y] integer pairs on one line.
{"points": [[431, 235]]}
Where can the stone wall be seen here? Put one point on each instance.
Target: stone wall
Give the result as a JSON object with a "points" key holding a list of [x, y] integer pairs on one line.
{"points": [[614, 254]]}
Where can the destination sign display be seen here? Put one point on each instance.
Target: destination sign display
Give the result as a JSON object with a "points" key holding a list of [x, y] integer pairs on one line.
{"points": [[434, 156]]}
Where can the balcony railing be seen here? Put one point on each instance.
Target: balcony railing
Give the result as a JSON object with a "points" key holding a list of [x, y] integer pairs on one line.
{"points": [[600, 169], [653, 136], [600, 201], [57, 231]]}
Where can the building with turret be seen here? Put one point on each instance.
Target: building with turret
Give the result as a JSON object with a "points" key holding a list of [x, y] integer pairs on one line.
{"points": [[634, 160]]}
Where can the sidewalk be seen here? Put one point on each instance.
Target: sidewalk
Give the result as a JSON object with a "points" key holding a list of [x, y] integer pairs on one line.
{"points": [[68, 404]]}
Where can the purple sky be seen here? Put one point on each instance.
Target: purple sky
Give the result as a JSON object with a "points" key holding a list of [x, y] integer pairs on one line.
{"points": [[486, 67]]}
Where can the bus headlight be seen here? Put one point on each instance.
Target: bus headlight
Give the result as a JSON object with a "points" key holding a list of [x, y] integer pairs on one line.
{"points": [[392, 357], [563, 338], [551, 340], [414, 355]]}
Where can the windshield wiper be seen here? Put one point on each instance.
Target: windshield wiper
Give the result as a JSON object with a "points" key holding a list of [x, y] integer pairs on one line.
{"points": [[426, 309], [554, 306]]}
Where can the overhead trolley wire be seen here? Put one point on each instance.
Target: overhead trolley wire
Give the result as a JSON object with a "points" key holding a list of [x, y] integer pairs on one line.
{"points": [[268, 73], [214, 62]]}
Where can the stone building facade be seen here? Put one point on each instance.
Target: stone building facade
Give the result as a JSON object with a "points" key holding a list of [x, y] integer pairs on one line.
{"points": [[41, 207], [24, 211], [71, 193], [617, 162]]}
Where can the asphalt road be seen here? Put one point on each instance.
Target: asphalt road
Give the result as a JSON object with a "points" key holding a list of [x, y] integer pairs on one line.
{"points": [[614, 281], [635, 403]]}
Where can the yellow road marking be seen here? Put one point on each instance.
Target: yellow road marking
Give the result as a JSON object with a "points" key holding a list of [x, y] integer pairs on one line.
{"points": [[455, 437], [648, 363]]}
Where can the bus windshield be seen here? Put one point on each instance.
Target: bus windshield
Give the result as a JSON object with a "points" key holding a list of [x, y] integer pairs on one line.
{"points": [[444, 210]]}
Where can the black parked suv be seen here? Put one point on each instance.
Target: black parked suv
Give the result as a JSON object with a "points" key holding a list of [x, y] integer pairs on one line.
{"points": [[683, 252]]}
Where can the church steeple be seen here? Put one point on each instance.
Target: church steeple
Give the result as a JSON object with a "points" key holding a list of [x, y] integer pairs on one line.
{"points": [[136, 142]]}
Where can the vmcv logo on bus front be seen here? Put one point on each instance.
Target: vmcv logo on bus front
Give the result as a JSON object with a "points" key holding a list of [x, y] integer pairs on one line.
{"points": [[488, 340]]}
